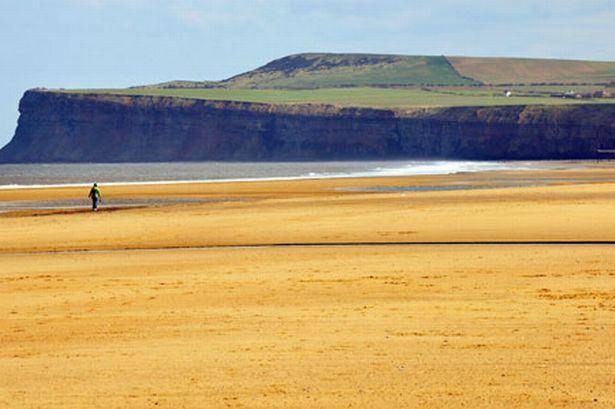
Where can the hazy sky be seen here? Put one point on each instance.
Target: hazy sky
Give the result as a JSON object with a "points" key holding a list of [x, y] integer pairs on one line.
{"points": [[117, 43]]}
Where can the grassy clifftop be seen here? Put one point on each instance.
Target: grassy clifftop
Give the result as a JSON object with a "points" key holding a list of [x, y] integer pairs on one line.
{"points": [[322, 70], [338, 70], [313, 70], [402, 98], [397, 81]]}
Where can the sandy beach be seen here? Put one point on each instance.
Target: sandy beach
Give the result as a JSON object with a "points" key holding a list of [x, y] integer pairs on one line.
{"points": [[493, 289]]}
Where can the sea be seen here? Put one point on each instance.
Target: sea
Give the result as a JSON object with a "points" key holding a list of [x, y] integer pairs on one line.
{"points": [[83, 174]]}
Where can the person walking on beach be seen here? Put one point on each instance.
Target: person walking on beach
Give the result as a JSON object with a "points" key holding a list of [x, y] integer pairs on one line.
{"points": [[95, 196]]}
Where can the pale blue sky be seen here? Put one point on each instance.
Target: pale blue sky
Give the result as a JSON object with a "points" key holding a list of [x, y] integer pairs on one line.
{"points": [[117, 43]]}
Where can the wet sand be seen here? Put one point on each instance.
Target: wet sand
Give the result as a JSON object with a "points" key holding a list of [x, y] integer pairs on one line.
{"points": [[314, 294]]}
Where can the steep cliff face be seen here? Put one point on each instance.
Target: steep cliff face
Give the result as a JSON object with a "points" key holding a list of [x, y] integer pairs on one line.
{"points": [[63, 127]]}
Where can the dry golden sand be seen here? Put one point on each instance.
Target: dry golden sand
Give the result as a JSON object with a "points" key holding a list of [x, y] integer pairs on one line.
{"points": [[139, 308]]}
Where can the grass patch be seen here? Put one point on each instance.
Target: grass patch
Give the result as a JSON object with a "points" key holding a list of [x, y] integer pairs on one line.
{"points": [[358, 96]]}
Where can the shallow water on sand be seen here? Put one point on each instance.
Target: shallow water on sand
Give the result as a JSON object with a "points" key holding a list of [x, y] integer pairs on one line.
{"points": [[18, 175], [111, 203], [493, 183]]}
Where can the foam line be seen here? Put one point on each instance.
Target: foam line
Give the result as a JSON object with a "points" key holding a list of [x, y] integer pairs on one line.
{"points": [[410, 169]]}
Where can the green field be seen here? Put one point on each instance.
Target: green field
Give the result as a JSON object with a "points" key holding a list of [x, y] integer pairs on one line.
{"points": [[357, 96], [553, 88]]}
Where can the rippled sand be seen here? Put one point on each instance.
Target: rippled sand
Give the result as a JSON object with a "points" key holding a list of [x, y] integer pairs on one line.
{"points": [[314, 294]]}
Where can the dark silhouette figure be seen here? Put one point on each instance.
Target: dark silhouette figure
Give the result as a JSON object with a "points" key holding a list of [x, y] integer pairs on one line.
{"points": [[95, 196]]}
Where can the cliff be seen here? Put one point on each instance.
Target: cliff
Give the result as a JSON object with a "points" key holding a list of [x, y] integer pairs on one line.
{"points": [[65, 127]]}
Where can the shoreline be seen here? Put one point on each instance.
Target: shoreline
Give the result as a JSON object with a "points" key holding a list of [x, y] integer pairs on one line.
{"points": [[431, 206], [420, 168]]}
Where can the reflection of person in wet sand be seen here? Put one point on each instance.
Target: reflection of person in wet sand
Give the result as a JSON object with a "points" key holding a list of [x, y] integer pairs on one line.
{"points": [[95, 196]]}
